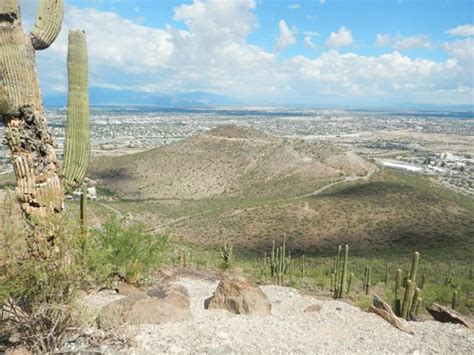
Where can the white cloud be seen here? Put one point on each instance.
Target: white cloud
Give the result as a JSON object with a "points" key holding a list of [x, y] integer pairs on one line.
{"points": [[341, 74], [311, 33], [383, 40], [402, 43], [211, 54], [462, 51], [286, 37], [342, 38], [418, 41], [308, 42], [462, 31], [294, 6]]}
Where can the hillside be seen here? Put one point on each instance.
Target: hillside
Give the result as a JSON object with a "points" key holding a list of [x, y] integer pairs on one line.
{"points": [[229, 161], [248, 188]]}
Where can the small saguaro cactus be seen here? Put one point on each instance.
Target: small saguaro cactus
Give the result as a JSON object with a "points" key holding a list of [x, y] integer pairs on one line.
{"points": [[349, 283], [398, 286], [40, 183], [227, 254], [454, 302], [342, 278], [367, 277]]}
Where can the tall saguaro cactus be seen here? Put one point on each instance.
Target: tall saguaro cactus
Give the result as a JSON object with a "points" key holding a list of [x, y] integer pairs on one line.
{"points": [[38, 172], [77, 147]]}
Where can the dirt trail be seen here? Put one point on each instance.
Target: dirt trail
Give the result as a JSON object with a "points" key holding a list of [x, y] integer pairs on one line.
{"points": [[338, 328]]}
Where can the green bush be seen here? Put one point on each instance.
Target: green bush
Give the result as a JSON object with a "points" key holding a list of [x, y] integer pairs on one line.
{"points": [[38, 295], [128, 251]]}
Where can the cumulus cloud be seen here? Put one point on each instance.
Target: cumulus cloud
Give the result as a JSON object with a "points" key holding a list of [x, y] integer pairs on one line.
{"points": [[383, 40], [462, 31], [211, 53], [286, 37], [308, 42], [338, 74], [402, 43], [418, 41], [339, 39]]}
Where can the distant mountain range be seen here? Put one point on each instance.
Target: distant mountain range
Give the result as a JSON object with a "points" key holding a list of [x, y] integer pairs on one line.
{"points": [[103, 96], [200, 99]]}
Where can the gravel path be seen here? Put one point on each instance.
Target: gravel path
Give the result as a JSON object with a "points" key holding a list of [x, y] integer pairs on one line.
{"points": [[338, 328]]}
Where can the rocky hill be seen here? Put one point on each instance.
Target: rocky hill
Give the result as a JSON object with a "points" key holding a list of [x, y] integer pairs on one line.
{"points": [[229, 161]]}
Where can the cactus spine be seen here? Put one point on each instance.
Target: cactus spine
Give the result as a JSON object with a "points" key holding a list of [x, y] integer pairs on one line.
{"points": [[39, 187]]}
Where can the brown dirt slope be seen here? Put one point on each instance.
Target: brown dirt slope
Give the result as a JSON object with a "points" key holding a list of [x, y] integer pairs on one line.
{"points": [[229, 161]]}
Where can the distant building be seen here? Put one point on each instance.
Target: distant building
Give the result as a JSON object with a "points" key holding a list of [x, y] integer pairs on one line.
{"points": [[401, 166]]}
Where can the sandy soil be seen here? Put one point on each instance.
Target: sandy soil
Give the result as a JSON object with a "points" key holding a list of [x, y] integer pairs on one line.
{"points": [[337, 328]]}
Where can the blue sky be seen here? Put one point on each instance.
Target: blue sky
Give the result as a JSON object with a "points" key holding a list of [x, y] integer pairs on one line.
{"points": [[330, 52]]}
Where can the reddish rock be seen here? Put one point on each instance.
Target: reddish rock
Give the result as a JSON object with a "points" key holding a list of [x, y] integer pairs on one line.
{"points": [[128, 290], [313, 308], [447, 315], [239, 296]]}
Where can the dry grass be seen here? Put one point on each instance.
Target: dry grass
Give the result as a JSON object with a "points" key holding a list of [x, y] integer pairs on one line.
{"points": [[227, 162]]}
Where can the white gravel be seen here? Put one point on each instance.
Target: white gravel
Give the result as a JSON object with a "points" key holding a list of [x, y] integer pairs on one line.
{"points": [[338, 328]]}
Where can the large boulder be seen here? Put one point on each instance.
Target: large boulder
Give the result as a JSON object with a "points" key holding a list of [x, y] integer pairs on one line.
{"points": [[239, 296], [447, 315], [175, 294], [160, 305]]}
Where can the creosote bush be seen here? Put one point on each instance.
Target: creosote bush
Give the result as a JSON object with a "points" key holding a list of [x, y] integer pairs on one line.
{"points": [[127, 251]]}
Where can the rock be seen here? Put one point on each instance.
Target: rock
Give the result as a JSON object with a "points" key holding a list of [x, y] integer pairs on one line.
{"points": [[175, 294], [313, 308], [383, 310], [128, 290], [18, 351], [161, 305], [447, 315], [239, 296]]}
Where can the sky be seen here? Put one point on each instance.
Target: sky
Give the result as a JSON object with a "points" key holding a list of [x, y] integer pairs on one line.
{"points": [[267, 52]]}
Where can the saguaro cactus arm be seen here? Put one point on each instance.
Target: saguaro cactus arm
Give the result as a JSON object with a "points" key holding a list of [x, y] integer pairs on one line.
{"points": [[77, 146], [48, 23]]}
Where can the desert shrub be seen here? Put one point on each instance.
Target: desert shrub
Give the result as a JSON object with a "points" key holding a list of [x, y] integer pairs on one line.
{"points": [[37, 295], [129, 251]]}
